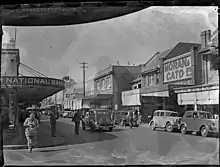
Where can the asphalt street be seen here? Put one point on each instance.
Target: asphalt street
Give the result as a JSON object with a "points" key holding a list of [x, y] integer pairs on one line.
{"points": [[122, 146]]}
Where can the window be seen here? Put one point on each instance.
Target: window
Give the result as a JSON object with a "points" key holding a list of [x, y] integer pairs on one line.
{"points": [[139, 85], [98, 85], [67, 95], [157, 78], [109, 83], [151, 79], [189, 115], [103, 84], [162, 114]]}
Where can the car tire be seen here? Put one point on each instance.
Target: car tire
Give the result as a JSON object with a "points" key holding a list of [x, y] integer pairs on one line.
{"points": [[110, 129], [169, 127], [183, 129], [204, 131], [152, 126]]}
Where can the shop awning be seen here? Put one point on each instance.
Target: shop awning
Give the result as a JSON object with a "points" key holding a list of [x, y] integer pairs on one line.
{"points": [[187, 98], [208, 97], [131, 98], [157, 94], [98, 97], [202, 97]]}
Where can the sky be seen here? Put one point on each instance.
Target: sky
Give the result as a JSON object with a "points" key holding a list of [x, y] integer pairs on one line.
{"points": [[57, 51]]}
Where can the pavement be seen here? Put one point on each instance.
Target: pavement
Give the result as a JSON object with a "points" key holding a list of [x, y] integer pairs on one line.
{"points": [[43, 137], [136, 146]]}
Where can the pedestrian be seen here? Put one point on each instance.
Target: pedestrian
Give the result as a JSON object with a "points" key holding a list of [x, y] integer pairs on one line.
{"points": [[131, 119], [76, 119], [31, 124], [53, 120]]}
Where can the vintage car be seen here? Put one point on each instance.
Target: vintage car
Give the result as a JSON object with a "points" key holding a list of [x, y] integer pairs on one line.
{"points": [[121, 118], [98, 119], [165, 119], [201, 122]]}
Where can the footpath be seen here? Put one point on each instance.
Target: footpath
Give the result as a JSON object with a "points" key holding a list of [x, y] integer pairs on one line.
{"points": [[43, 138]]}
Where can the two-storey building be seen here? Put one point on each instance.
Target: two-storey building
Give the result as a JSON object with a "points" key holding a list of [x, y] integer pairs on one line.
{"points": [[174, 66], [109, 84], [204, 96]]}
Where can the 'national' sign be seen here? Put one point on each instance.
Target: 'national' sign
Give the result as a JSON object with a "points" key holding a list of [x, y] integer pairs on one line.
{"points": [[178, 69]]}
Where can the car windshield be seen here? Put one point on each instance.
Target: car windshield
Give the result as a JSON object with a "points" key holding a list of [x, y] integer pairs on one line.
{"points": [[206, 115], [172, 114]]}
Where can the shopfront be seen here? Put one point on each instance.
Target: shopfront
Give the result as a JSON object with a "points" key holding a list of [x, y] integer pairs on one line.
{"points": [[202, 97]]}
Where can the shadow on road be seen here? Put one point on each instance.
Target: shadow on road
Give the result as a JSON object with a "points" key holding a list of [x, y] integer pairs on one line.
{"points": [[58, 150], [66, 131]]}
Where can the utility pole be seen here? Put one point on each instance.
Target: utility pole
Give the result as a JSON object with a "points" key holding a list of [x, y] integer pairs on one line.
{"points": [[84, 77]]}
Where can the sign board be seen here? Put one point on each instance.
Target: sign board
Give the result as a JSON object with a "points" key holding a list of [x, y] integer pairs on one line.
{"points": [[131, 97], [14, 80], [178, 69]]}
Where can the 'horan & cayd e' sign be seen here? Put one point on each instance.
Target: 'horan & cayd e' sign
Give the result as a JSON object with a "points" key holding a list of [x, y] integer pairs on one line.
{"points": [[178, 69], [10, 80]]}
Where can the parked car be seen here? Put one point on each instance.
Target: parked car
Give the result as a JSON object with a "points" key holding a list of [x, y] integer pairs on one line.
{"points": [[68, 114], [98, 119], [201, 122], [165, 119], [121, 118]]}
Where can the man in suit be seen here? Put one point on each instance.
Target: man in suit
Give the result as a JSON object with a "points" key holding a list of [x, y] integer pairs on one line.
{"points": [[76, 119]]}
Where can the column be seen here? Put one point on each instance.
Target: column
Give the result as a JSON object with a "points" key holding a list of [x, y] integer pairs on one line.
{"points": [[195, 107]]}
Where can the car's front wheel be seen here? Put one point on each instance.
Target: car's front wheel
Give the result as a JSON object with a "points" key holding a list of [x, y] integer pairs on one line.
{"points": [[169, 127], [183, 129], [152, 126], [204, 131], [110, 129]]}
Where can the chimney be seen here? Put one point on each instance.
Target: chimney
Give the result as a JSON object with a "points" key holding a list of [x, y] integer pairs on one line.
{"points": [[128, 62], [205, 38], [117, 62]]}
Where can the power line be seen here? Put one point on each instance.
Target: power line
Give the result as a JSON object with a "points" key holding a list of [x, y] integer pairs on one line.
{"points": [[84, 76]]}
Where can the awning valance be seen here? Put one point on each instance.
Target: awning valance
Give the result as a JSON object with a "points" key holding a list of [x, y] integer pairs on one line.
{"points": [[131, 98], [202, 97], [187, 98], [157, 94]]}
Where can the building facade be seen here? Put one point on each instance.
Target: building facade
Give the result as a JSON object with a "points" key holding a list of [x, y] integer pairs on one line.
{"points": [[204, 96], [109, 84], [174, 66]]}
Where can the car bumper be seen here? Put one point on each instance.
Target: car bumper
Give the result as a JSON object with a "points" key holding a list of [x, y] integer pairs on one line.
{"points": [[213, 130], [104, 127]]}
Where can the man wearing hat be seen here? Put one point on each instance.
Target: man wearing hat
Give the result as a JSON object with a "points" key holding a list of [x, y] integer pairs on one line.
{"points": [[76, 119]]}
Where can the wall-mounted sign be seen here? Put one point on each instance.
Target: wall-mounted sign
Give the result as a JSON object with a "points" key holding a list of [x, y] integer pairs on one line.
{"points": [[176, 70], [14, 80]]}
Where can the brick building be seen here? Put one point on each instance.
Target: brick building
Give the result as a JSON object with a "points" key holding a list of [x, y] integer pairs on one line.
{"points": [[109, 84]]}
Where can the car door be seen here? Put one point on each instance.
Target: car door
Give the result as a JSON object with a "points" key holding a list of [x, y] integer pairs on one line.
{"points": [[189, 120], [161, 119], [156, 118], [195, 123]]}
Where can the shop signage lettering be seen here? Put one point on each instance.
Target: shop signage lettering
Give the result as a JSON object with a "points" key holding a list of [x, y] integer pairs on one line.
{"points": [[178, 69], [31, 80]]}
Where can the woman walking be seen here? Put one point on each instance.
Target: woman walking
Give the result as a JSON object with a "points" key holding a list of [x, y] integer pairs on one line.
{"points": [[31, 124]]}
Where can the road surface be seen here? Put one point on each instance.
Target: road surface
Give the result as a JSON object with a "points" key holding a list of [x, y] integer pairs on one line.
{"points": [[122, 146]]}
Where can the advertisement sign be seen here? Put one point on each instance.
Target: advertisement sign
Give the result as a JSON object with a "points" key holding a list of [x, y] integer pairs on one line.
{"points": [[178, 69], [14, 80], [131, 97]]}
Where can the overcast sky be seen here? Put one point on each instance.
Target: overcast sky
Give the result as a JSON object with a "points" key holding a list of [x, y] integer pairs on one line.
{"points": [[57, 51]]}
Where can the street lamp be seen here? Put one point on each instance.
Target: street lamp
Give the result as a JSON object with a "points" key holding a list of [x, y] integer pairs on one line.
{"points": [[57, 15]]}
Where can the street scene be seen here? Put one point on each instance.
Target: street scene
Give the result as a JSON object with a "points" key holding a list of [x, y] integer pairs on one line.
{"points": [[139, 89]]}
